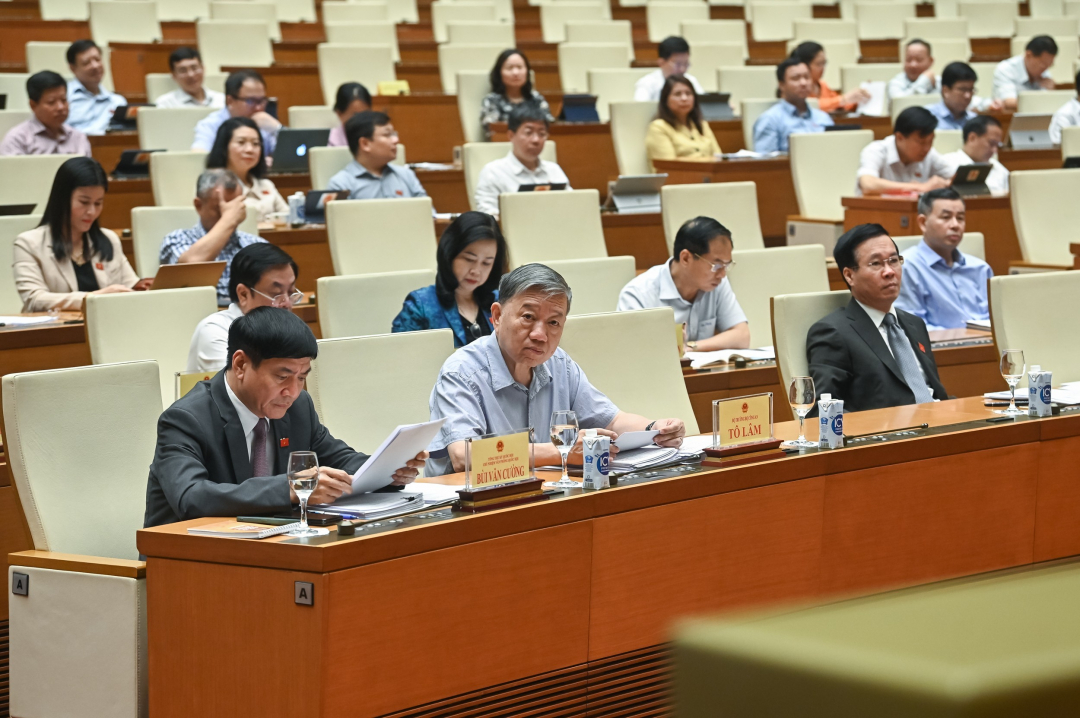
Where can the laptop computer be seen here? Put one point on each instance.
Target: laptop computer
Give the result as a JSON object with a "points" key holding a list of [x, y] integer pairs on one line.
{"points": [[579, 108], [716, 106], [842, 128], [11, 210], [541, 187], [1071, 163], [190, 274], [970, 180], [315, 204], [635, 194], [134, 164], [290, 153], [123, 118], [1030, 132]]}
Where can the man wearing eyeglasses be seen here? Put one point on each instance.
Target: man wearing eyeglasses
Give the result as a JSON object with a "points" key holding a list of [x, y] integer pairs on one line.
{"points": [[260, 275], [869, 353], [983, 135], [694, 284], [245, 96]]}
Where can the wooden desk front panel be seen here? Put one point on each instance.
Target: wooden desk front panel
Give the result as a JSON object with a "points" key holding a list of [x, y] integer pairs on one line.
{"points": [[14, 534], [1057, 531], [429, 125]]}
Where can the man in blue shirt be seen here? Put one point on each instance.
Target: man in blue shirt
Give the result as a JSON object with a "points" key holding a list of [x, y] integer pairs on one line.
{"points": [[941, 285], [791, 113], [373, 142], [957, 91], [90, 106], [245, 96]]}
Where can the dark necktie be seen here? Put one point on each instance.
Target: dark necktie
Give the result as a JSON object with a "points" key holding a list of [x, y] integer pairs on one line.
{"points": [[259, 464], [905, 357]]}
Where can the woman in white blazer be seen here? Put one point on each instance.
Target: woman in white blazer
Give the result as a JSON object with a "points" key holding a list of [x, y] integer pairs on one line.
{"points": [[54, 272]]}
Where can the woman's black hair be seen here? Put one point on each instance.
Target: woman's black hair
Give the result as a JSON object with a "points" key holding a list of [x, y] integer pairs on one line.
{"points": [[807, 51], [349, 93], [76, 172], [219, 153], [468, 228], [664, 112], [497, 84]]}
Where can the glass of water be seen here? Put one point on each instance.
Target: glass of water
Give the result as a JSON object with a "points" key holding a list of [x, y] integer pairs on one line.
{"points": [[801, 397], [564, 433], [1012, 371], [303, 478]]}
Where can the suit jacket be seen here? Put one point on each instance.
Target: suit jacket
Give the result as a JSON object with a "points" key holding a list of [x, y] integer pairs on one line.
{"points": [[201, 465], [422, 310], [45, 282], [849, 359]]}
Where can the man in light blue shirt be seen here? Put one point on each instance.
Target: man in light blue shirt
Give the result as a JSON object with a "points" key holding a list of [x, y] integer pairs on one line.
{"points": [[791, 113], [516, 377], [957, 92], [941, 285], [373, 142], [90, 106], [245, 96]]}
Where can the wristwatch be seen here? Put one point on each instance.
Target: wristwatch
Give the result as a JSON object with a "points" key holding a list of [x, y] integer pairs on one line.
{"points": [[650, 426], [691, 346]]}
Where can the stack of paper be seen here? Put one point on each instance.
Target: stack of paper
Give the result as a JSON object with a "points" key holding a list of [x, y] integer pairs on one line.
{"points": [[17, 321], [1066, 394], [699, 360], [978, 324], [375, 506], [643, 458], [435, 494], [875, 106]]}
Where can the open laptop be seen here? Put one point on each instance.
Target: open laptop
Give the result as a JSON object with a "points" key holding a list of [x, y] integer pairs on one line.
{"points": [[315, 204], [541, 187], [1030, 132], [970, 180], [579, 108], [842, 127], [716, 106], [134, 164], [291, 151], [190, 274], [635, 194]]}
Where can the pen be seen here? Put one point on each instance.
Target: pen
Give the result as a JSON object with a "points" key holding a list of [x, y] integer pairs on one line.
{"points": [[890, 431]]}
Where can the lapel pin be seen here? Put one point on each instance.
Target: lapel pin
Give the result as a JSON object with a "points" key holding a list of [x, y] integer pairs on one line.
{"points": [[284, 442], [99, 265], [922, 348]]}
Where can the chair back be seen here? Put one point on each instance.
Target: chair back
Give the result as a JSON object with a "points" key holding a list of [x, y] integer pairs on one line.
{"points": [[540, 226], [444, 12], [936, 28], [1070, 142], [662, 19], [774, 21], [79, 442], [1056, 26], [367, 64], [946, 141], [230, 43], [614, 86], [761, 274], [13, 84], [265, 12], [318, 117], [1030, 311], [973, 243], [1050, 9], [169, 128], [1046, 213], [160, 83], [589, 339], [629, 124], [148, 325], [605, 31], [10, 118], [792, 317], [744, 83], [752, 109], [711, 56], [823, 168], [149, 225], [49, 55], [734, 202], [64, 9], [400, 11], [358, 230], [360, 305], [481, 32], [577, 58], [182, 11], [296, 10], [855, 75], [882, 21], [695, 31], [174, 176], [26, 179], [990, 19], [472, 87], [382, 32], [10, 229], [464, 58], [355, 12], [596, 282], [899, 104], [325, 162], [554, 17], [819, 30], [475, 155], [113, 22], [362, 407], [1043, 102]]}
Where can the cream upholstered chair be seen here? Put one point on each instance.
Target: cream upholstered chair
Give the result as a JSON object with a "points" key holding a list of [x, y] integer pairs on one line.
{"points": [[577, 58], [1060, 72], [149, 225], [182, 10], [47, 55], [750, 110], [761, 274], [539, 226], [444, 12], [94, 605], [614, 86], [990, 19], [774, 21], [589, 339], [1028, 27], [296, 10], [159, 83], [10, 228], [555, 15], [13, 84], [710, 57], [605, 31], [471, 89], [1021, 316], [265, 12], [355, 12], [359, 305], [662, 19], [946, 141], [383, 32], [366, 64], [173, 176], [733, 204], [936, 28], [1043, 102], [64, 9], [792, 317], [1046, 214], [973, 243], [595, 282], [358, 230], [227, 43], [823, 169], [475, 155], [629, 123], [899, 104], [946, 51], [695, 31], [325, 162], [362, 408], [112, 22], [822, 30], [744, 83], [464, 58], [29, 178], [402, 11], [169, 128], [882, 21], [1049, 9], [854, 75], [10, 118], [1070, 142], [132, 327], [486, 32], [313, 116]]}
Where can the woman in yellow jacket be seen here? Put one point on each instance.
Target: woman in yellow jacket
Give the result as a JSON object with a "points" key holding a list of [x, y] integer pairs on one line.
{"points": [[679, 132]]}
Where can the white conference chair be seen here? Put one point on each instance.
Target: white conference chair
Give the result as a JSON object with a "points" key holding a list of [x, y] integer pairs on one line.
{"points": [[946, 141], [539, 226], [48, 55], [792, 317], [899, 104], [182, 10], [366, 64], [750, 111], [662, 19], [334, 12], [149, 225], [444, 13], [123, 22], [169, 128], [733, 204], [265, 12], [629, 123], [174, 176], [472, 86], [10, 118], [320, 117], [1046, 214], [13, 84], [823, 168], [1022, 318], [28, 179], [882, 21], [761, 274], [1043, 102], [455, 59], [606, 31], [475, 155], [710, 57], [358, 229], [489, 32], [325, 162], [616, 85], [595, 282], [10, 228], [360, 305], [990, 19], [554, 16], [364, 33], [744, 83], [577, 58], [1070, 142], [229, 43], [697, 31]]}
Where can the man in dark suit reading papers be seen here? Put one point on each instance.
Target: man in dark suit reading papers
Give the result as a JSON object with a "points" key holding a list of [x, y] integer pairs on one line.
{"points": [[223, 449]]}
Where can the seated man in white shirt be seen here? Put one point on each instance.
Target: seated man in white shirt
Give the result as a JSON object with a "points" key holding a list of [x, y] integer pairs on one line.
{"points": [[905, 162], [983, 135], [186, 67], [918, 77], [528, 130], [1025, 73], [1068, 115], [260, 275], [694, 283], [673, 59]]}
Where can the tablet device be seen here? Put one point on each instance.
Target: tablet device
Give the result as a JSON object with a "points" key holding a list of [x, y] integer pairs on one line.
{"points": [[716, 106], [189, 274], [315, 204], [124, 117], [134, 164], [970, 180], [579, 108], [1030, 132]]}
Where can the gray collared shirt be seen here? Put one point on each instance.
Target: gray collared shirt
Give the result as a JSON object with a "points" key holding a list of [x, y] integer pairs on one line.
{"points": [[395, 183], [477, 394], [709, 314]]}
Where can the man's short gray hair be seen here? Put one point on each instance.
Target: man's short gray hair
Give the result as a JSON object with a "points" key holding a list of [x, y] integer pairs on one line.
{"points": [[210, 180], [537, 278]]}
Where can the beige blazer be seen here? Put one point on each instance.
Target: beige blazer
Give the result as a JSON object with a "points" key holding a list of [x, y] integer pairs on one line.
{"points": [[664, 142], [264, 198], [45, 282]]}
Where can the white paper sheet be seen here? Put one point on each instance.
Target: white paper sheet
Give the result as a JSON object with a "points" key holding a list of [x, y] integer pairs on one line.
{"points": [[17, 321], [403, 444], [876, 104], [635, 439], [724, 356]]}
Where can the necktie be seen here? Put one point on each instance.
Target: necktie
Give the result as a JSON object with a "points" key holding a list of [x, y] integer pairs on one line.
{"points": [[259, 464], [905, 357]]}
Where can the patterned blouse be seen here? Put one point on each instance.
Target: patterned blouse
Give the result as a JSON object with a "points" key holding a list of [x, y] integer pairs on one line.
{"points": [[496, 108]]}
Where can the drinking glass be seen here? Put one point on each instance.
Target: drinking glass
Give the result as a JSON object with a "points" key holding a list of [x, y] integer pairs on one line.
{"points": [[801, 395], [564, 432], [303, 478], [1012, 370]]}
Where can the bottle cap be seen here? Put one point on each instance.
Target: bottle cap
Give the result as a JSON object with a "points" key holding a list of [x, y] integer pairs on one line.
{"points": [[589, 433], [1035, 367], [826, 397]]}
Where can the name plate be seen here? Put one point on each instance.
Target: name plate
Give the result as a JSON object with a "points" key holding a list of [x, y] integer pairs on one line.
{"points": [[742, 420], [497, 460]]}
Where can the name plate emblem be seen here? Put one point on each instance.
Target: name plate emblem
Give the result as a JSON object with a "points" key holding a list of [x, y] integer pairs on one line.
{"points": [[742, 421], [498, 460]]}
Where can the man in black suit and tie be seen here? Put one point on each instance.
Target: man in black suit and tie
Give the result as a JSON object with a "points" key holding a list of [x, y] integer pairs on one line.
{"points": [[868, 353], [223, 448]]}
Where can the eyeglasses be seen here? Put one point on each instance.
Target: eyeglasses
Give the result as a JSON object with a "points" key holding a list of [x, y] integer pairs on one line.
{"points": [[282, 300], [894, 263], [716, 266], [253, 101]]}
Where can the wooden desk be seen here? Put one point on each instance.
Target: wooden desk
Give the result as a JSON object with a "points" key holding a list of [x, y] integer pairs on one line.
{"points": [[775, 190], [467, 603], [1030, 159], [1074, 248], [990, 215], [585, 153]]}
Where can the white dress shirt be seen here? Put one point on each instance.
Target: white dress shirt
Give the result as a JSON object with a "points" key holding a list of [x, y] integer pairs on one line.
{"points": [[1011, 78], [901, 86], [881, 159], [507, 174], [248, 420], [648, 88], [1068, 115], [179, 98], [878, 318], [210, 342], [998, 179]]}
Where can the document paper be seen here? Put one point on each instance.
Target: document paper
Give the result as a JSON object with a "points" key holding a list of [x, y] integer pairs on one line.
{"points": [[404, 443]]}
